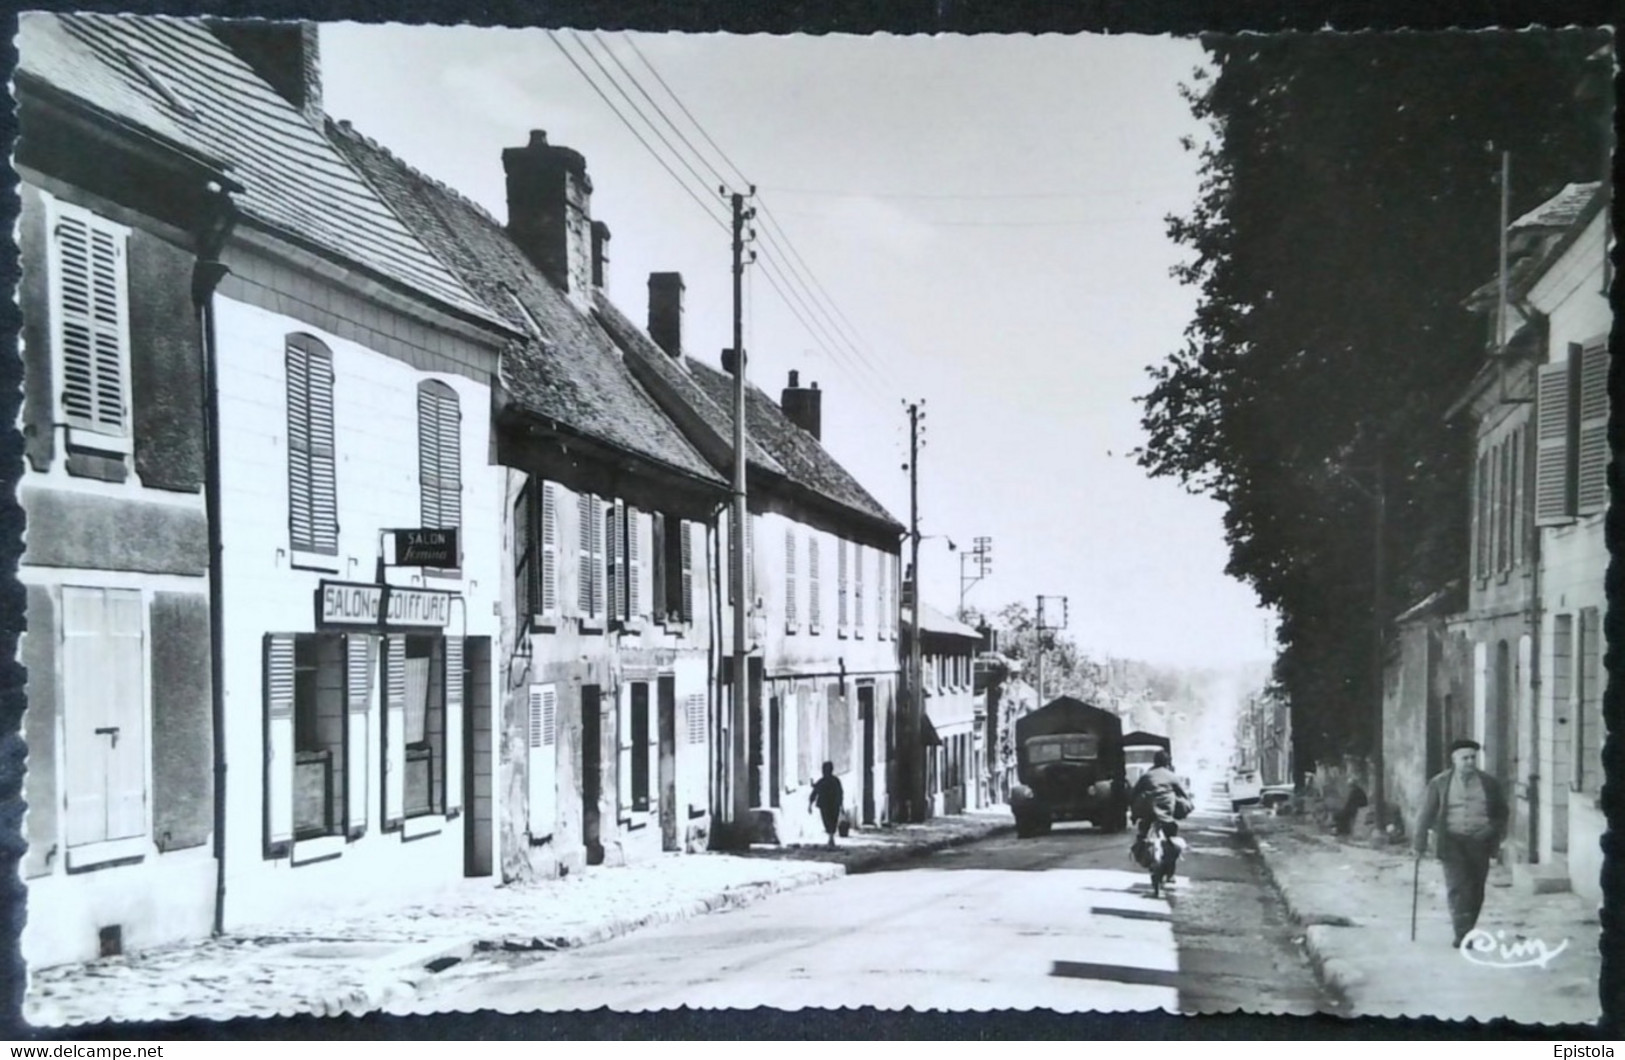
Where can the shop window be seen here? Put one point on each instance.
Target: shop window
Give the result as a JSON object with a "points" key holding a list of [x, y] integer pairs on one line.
{"points": [[424, 730], [315, 695]]}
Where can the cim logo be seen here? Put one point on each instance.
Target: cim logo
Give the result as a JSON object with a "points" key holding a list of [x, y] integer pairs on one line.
{"points": [[1493, 951]]}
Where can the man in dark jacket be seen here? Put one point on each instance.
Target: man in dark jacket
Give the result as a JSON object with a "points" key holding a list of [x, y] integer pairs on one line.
{"points": [[827, 796], [1467, 812], [1156, 795]]}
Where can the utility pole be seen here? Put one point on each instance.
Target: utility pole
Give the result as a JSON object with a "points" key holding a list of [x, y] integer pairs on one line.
{"points": [[981, 554], [914, 755], [739, 793], [1043, 627], [1378, 605]]}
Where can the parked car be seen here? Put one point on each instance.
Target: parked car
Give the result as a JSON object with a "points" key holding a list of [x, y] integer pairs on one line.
{"points": [[1246, 788], [1276, 794]]}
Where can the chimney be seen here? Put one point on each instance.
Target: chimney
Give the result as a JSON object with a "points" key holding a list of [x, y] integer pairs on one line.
{"points": [[549, 196], [600, 253], [286, 54], [804, 405], [666, 311]]}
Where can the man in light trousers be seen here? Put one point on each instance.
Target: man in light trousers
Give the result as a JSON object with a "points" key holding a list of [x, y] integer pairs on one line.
{"points": [[1467, 812]]}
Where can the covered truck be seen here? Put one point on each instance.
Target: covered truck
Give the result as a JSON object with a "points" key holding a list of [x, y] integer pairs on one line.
{"points": [[1069, 762]]}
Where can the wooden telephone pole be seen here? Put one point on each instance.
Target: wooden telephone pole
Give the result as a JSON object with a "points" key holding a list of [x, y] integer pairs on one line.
{"points": [[738, 774], [914, 716]]}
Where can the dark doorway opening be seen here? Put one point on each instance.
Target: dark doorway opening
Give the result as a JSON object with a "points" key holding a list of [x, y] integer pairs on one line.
{"points": [[666, 708], [775, 750], [592, 772], [866, 712]]}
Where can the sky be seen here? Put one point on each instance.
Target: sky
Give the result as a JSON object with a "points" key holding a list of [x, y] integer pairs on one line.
{"points": [[973, 223]]}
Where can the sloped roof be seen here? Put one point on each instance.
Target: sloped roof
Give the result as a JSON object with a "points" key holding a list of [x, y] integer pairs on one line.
{"points": [[1561, 210], [574, 375], [294, 182], [934, 621], [675, 374], [1560, 214], [805, 461]]}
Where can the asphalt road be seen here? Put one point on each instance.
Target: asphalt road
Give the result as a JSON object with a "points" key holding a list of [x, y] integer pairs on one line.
{"points": [[1063, 922]]}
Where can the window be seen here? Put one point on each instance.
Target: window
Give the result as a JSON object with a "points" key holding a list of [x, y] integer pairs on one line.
{"points": [[815, 610], [313, 525], [749, 538], [1515, 491], [1481, 517], [673, 575], [536, 536], [104, 724], [883, 619], [615, 558], [424, 731], [1572, 454], [90, 326], [440, 455], [636, 747], [1503, 507], [318, 689], [543, 760]]}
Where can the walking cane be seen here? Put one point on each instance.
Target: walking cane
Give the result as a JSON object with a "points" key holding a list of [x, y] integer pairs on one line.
{"points": [[1416, 884]]}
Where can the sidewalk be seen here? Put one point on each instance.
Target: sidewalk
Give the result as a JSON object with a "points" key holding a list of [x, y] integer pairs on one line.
{"points": [[867, 849], [359, 962], [1354, 904]]}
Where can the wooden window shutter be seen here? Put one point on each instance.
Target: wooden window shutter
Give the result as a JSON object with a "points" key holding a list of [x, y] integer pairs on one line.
{"points": [[587, 522], [543, 760], [394, 731], [429, 454], [456, 678], [1515, 494], [1590, 678], [685, 534], [451, 459], [615, 558], [85, 677], [358, 671], [524, 550], [750, 557], [596, 521], [301, 526], [323, 466], [549, 580], [127, 755], [279, 696], [657, 530], [1591, 485], [634, 563], [623, 743], [1553, 502], [815, 616], [1503, 507], [841, 575], [1481, 523], [790, 580], [694, 709], [857, 587], [92, 307]]}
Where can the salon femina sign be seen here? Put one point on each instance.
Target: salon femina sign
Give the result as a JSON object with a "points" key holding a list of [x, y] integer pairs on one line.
{"points": [[381, 606]]}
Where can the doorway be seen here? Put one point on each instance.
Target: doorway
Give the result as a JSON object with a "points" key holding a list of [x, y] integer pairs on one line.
{"points": [[775, 749], [477, 745], [592, 772], [666, 709], [866, 714]]}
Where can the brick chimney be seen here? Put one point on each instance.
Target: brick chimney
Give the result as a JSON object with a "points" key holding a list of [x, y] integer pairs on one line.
{"points": [[666, 311], [549, 213], [600, 254], [286, 54], [804, 405]]}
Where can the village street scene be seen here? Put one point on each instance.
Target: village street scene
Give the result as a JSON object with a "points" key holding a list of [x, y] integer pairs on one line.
{"points": [[526, 520]]}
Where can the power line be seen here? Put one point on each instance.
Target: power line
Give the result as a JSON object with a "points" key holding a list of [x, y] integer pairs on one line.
{"points": [[778, 235], [1094, 193], [692, 120], [718, 221], [664, 117]]}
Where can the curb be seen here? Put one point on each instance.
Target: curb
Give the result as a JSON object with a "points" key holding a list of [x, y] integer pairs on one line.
{"points": [[1334, 975]]}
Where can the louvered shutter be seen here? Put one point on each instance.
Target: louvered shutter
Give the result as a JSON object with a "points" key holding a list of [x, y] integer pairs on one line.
{"points": [[526, 558], [857, 588], [841, 577], [634, 563], [92, 303], [394, 731], [685, 535], [599, 607], [615, 559], [549, 588], [543, 760], [587, 523], [301, 526], [456, 677], [429, 458], [451, 459], [324, 510], [1552, 495], [814, 590], [358, 670], [657, 531], [884, 591], [279, 696], [694, 710], [1591, 488], [790, 580], [1481, 517], [623, 740]]}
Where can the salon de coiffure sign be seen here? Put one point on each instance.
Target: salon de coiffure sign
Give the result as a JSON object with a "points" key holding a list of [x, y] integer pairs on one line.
{"points": [[364, 604]]}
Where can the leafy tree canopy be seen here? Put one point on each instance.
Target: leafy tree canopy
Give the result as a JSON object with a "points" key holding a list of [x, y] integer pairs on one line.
{"points": [[1349, 203]]}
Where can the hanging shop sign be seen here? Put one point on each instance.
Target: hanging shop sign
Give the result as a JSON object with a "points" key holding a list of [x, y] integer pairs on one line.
{"points": [[352, 604], [426, 548]]}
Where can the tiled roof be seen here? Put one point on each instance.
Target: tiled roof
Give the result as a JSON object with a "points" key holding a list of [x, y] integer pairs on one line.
{"points": [[1561, 210], [574, 375], [676, 376], [294, 182], [805, 462], [934, 621]]}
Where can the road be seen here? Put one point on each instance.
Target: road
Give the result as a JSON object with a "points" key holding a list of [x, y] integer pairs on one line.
{"points": [[1062, 921]]}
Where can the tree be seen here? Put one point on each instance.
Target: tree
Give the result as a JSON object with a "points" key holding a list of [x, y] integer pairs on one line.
{"points": [[1348, 205]]}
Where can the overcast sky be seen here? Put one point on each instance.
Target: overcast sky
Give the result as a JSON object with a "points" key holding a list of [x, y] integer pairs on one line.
{"points": [[975, 222]]}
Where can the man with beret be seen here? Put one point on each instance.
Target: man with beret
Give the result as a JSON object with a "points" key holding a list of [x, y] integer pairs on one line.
{"points": [[1467, 812]]}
